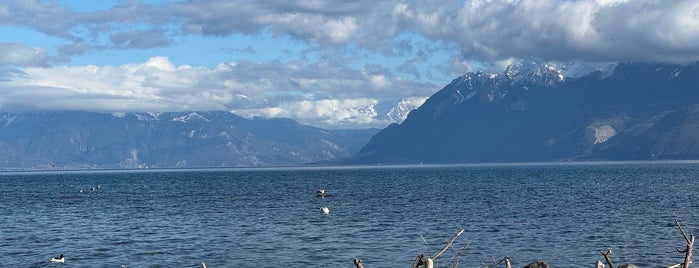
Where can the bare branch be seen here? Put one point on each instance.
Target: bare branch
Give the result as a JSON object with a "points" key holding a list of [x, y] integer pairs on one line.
{"points": [[358, 263], [682, 230], [427, 246], [689, 247], [448, 244], [607, 258], [506, 259]]}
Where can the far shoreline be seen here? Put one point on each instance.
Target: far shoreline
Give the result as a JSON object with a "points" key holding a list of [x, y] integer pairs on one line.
{"points": [[31, 171]]}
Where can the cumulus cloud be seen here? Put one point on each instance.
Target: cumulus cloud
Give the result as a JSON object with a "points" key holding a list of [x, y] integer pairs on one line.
{"points": [[363, 54], [332, 113], [592, 30], [328, 96], [484, 30]]}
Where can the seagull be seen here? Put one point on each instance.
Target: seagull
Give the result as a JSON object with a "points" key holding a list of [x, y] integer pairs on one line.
{"points": [[203, 264], [320, 193], [325, 210], [57, 259], [599, 264]]}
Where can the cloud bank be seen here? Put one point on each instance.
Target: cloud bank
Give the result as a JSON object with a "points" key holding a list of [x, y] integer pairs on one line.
{"points": [[560, 30], [325, 63], [333, 97]]}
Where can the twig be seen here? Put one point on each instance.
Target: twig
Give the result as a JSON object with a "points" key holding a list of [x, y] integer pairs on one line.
{"points": [[607, 258], [689, 247], [427, 246], [358, 263], [448, 244], [506, 259], [458, 254]]}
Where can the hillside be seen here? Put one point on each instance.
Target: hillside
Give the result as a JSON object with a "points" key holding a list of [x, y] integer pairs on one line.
{"points": [[640, 111], [79, 140]]}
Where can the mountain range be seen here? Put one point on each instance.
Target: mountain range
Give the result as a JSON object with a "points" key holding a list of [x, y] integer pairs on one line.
{"points": [[87, 140], [636, 111], [632, 111]]}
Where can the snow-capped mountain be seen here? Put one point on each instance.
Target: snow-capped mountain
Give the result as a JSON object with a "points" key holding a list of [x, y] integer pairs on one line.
{"points": [[538, 113], [400, 111], [77, 140]]}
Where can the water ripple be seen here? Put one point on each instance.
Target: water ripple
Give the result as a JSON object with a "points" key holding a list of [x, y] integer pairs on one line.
{"points": [[564, 214]]}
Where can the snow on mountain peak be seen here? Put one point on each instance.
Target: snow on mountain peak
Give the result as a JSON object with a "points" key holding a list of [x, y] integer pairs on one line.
{"points": [[400, 111], [188, 117], [551, 73]]}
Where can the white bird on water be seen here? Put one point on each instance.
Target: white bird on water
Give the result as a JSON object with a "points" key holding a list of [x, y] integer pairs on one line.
{"points": [[203, 264], [325, 210], [57, 259]]}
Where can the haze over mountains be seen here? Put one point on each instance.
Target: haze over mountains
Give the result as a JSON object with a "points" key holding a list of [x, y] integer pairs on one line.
{"points": [[640, 111]]}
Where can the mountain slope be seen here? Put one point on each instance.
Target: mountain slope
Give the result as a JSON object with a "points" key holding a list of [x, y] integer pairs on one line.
{"points": [[65, 140], [640, 111]]}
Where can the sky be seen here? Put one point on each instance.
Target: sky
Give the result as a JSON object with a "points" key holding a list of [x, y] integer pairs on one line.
{"points": [[330, 64]]}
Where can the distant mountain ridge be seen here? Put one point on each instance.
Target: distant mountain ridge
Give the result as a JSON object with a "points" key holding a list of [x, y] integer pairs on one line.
{"points": [[85, 140], [640, 111]]}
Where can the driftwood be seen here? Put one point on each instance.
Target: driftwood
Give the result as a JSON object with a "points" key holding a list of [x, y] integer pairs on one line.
{"points": [[608, 258], [506, 260], [358, 263], [420, 261], [689, 246]]}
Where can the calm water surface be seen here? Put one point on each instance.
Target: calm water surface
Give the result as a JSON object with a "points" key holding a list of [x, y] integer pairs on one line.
{"points": [[563, 214]]}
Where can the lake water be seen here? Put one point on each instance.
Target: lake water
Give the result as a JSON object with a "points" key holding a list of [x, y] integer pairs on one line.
{"points": [[564, 214]]}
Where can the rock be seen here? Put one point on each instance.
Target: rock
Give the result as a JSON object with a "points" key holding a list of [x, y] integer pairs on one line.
{"points": [[538, 264]]}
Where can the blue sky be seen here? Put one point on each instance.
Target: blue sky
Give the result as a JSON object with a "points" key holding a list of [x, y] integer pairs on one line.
{"points": [[332, 64]]}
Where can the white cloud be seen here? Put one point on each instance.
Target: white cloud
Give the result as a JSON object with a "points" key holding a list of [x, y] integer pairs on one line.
{"points": [[21, 55], [339, 60], [328, 97], [329, 113], [592, 30]]}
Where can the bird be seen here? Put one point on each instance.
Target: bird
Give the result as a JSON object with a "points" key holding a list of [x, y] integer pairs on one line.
{"points": [[57, 259], [320, 193], [325, 210], [599, 264], [203, 264]]}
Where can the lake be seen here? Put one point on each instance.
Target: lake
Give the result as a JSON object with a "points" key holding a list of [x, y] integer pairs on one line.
{"points": [[562, 213]]}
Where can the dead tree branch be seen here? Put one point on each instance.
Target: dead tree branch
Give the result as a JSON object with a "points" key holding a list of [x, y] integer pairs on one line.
{"points": [[689, 246], [358, 263], [427, 246], [506, 260], [448, 245], [608, 258]]}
